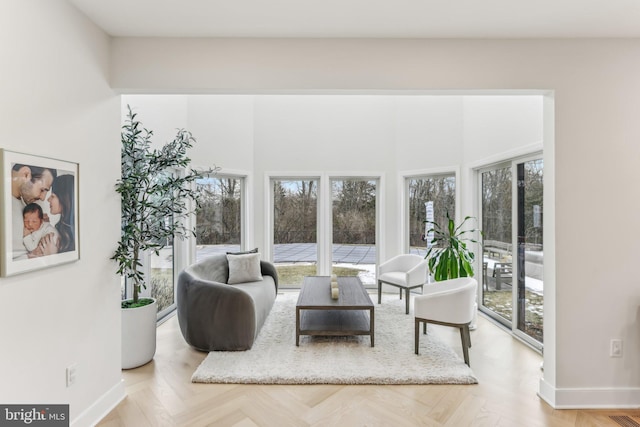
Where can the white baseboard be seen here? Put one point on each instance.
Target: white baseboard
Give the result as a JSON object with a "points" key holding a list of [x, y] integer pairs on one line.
{"points": [[101, 408], [584, 398]]}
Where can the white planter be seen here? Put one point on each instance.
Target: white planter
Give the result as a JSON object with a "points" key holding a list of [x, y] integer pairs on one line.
{"points": [[138, 335]]}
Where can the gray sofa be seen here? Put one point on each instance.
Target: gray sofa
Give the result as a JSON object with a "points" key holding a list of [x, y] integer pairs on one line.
{"points": [[216, 316]]}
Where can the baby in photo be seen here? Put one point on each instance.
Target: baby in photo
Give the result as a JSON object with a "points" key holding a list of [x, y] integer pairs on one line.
{"points": [[35, 227]]}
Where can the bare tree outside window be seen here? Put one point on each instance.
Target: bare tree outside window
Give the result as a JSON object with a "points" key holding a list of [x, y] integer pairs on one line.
{"points": [[496, 205], [295, 225], [354, 212], [441, 190], [219, 221], [354, 228], [295, 211]]}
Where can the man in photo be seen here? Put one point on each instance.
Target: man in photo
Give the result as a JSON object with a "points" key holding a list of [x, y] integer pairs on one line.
{"points": [[28, 184]]}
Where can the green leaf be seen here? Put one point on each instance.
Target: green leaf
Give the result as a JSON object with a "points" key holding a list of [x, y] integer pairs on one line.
{"points": [[450, 256]]}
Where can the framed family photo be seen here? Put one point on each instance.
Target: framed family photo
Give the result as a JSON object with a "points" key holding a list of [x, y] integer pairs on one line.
{"points": [[39, 212]]}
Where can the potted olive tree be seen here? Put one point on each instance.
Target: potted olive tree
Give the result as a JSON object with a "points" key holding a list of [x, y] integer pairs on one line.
{"points": [[157, 200]]}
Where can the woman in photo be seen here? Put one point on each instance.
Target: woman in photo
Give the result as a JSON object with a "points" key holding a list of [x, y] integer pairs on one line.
{"points": [[61, 201]]}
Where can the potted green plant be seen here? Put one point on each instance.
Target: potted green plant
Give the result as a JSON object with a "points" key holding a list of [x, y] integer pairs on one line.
{"points": [[156, 202], [448, 254]]}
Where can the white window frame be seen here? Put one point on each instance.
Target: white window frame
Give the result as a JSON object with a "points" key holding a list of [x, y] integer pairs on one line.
{"points": [[246, 213], [325, 223], [403, 189]]}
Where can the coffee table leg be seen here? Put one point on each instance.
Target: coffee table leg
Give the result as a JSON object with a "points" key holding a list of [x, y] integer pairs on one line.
{"points": [[371, 326], [297, 327]]}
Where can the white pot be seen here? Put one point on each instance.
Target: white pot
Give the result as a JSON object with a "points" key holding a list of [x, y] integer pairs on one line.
{"points": [[138, 335]]}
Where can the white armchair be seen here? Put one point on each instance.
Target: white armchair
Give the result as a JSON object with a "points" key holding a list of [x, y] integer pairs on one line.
{"points": [[449, 303], [406, 271]]}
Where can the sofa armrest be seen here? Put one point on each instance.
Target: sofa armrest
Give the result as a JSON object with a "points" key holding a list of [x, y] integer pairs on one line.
{"points": [[213, 314], [268, 269]]}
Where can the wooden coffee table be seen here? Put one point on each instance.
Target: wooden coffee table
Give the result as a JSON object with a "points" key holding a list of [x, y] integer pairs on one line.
{"points": [[318, 314]]}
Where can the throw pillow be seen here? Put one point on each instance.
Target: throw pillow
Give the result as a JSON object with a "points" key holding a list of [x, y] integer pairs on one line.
{"points": [[244, 268], [252, 251]]}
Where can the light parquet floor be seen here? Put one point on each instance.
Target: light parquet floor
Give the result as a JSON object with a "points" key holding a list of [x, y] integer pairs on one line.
{"points": [[161, 394]]}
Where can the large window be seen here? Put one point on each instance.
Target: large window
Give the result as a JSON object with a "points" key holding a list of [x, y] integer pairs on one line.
{"points": [[323, 225], [160, 273], [219, 221], [295, 229], [354, 228], [162, 279], [428, 196], [218, 230]]}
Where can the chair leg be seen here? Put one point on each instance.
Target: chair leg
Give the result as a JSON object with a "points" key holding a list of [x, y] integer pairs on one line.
{"points": [[465, 344], [424, 328], [468, 335], [417, 334], [400, 293], [379, 292], [407, 302]]}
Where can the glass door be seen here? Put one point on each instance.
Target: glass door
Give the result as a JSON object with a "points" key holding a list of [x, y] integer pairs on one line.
{"points": [[530, 295], [512, 280], [496, 209]]}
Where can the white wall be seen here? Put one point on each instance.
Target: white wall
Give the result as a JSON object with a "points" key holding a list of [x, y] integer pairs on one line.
{"points": [[223, 126], [352, 134], [491, 129], [56, 102], [593, 290], [163, 115]]}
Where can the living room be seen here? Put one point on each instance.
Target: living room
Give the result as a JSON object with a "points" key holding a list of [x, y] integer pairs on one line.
{"points": [[62, 84]]}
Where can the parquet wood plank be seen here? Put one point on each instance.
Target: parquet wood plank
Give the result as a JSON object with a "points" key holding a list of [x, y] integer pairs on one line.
{"points": [[152, 408], [404, 413], [244, 423], [265, 410], [131, 414], [466, 411], [211, 406], [391, 404], [449, 403]]}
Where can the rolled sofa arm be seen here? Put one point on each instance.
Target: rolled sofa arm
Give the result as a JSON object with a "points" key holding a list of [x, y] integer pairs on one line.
{"points": [[214, 315], [268, 269]]}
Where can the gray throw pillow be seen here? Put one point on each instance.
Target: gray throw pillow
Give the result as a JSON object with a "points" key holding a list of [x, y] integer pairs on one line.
{"points": [[244, 268], [252, 251]]}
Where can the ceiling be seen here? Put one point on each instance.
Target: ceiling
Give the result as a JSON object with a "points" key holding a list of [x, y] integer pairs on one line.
{"points": [[366, 18]]}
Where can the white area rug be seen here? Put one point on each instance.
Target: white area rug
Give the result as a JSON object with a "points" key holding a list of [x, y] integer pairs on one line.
{"points": [[275, 359]]}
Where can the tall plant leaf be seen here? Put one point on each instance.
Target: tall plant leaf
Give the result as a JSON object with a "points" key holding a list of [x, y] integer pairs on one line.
{"points": [[449, 255]]}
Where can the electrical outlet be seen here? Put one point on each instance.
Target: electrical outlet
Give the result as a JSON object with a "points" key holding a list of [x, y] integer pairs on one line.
{"points": [[616, 348], [71, 374]]}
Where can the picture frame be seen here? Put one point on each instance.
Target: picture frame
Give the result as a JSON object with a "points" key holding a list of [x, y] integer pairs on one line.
{"points": [[39, 212]]}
